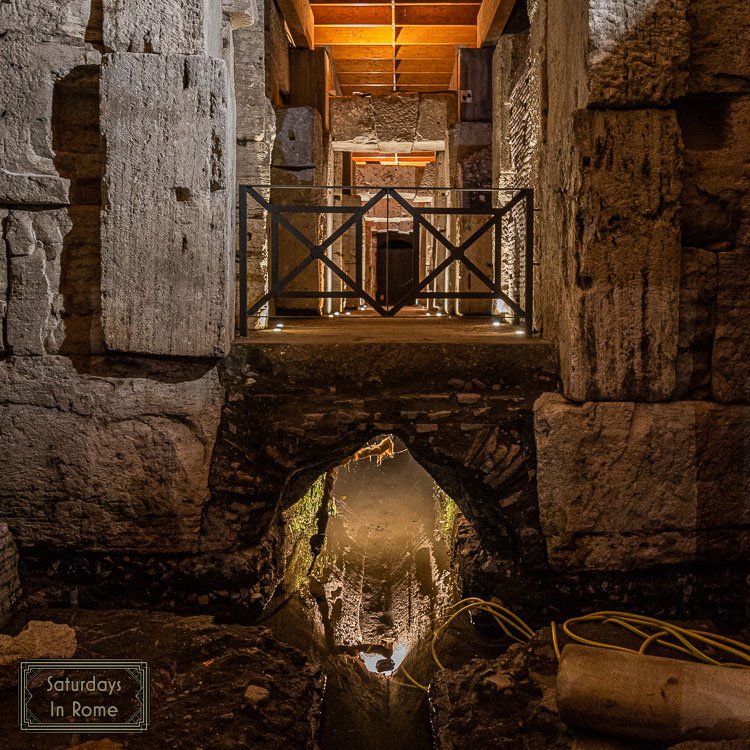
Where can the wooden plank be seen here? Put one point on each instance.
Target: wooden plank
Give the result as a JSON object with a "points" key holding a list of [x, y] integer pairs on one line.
{"points": [[426, 65], [310, 80], [357, 79], [439, 15], [493, 15], [384, 89], [405, 35], [399, 3], [385, 52], [421, 52], [475, 66], [379, 154], [365, 52], [353, 35], [423, 35], [442, 79], [363, 66], [352, 15], [299, 18], [406, 15]]}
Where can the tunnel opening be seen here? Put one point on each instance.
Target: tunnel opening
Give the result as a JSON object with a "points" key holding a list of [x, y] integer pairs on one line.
{"points": [[368, 578]]}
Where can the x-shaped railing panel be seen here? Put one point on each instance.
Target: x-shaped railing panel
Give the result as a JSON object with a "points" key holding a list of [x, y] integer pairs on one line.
{"points": [[279, 287]]}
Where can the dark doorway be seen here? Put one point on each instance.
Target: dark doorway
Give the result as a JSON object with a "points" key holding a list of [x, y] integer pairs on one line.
{"points": [[397, 266]]}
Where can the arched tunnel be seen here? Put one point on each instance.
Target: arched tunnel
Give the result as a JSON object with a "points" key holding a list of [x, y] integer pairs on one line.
{"points": [[374, 374]]}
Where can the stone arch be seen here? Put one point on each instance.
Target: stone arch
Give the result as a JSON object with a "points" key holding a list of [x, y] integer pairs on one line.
{"points": [[472, 434]]}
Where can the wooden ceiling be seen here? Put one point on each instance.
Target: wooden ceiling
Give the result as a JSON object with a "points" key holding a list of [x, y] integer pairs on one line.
{"points": [[413, 159], [401, 45]]}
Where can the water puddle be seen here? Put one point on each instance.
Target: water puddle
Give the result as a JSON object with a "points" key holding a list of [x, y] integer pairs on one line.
{"points": [[370, 597]]}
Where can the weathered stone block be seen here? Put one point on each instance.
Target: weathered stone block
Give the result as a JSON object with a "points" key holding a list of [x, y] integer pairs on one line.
{"points": [[105, 463], [615, 182], [33, 71], [730, 361], [33, 317], [627, 485], [167, 265], [38, 640], [299, 138], [696, 329], [395, 120], [352, 123], [167, 27], [716, 185], [391, 122], [242, 13], [617, 53], [65, 21], [255, 115], [10, 586], [719, 44]]}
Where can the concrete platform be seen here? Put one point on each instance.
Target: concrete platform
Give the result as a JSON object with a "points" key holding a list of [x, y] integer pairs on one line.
{"points": [[423, 330]]}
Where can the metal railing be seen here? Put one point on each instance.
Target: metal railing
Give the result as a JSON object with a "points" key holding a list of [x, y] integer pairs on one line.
{"points": [[475, 202]]}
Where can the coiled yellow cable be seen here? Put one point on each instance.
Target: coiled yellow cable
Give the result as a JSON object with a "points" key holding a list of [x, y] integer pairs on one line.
{"points": [[687, 641]]}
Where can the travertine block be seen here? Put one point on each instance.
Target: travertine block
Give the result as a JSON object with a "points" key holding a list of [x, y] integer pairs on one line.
{"points": [[697, 310], [242, 13], [33, 317], [185, 27], [624, 485], [716, 184], [352, 123], [730, 360], [33, 71], [167, 266], [396, 118], [392, 122], [615, 180], [10, 586], [65, 21], [299, 138], [123, 465], [255, 115]]}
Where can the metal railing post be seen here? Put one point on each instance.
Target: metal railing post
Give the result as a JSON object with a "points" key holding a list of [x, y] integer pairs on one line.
{"points": [[529, 272], [243, 260]]}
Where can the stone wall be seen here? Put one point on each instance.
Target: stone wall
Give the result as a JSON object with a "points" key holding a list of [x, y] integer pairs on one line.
{"points": [[391, 122], [627, 117], [10, 586], [116, 184]]}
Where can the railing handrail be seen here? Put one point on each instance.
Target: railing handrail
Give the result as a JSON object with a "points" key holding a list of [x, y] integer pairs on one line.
{"points": [[317, 251], [424, 188]]}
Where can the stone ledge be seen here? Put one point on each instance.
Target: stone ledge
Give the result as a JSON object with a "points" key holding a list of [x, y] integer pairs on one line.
{"points": [[626, 485]]}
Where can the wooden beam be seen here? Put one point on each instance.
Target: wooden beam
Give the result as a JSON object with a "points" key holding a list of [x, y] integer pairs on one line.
{"points": [[363, 66], [379, 154], [399, 3], [438, 15], [406, 15], [365, 52], [352, 15], [354, 36], [385, 51], [365, 79], [299, 18], [442, 79], [426, 65], [493, 15], [405, 35]]}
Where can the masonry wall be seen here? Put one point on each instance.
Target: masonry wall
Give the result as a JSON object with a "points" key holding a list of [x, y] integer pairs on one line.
{"points": [[10, 586], [117, 178], [627, 117]]}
